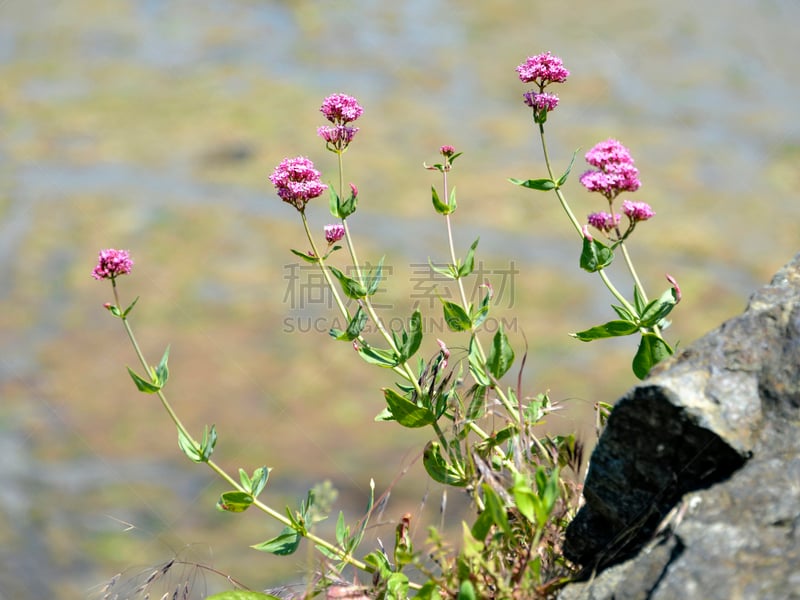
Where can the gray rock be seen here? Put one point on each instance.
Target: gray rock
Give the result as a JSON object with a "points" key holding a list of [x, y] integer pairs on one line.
{"points": [[693, 491]]}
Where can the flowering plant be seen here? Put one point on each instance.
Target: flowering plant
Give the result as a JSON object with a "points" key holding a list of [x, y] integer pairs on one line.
{"points": [[524, 485]]}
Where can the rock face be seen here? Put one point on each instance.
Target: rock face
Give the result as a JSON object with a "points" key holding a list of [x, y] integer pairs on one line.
{"points": [[693, 491]]}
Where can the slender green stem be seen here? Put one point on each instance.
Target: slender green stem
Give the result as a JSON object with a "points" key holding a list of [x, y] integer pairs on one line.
{"points": [[637, 282], [404, 369], [325, 272], [632, 271], [511, 410], [278, 516], [576, 224], [559, 194]]}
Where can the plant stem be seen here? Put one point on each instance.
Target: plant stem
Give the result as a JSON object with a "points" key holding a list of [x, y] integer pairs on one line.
{"points": [[325, 273], [576, 224], [404, 369], [465, 304], [280, 517]]}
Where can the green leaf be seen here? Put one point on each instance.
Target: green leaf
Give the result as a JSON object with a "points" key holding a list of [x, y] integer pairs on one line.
{"points": [[456, 317], [547, 491], [623, 313], [413, 339], [350, 287], [208, 443], [189, 448], [244, 479], [438, 469], [469, 261], [638, 300], [652, 350], [396, 587], [429, 591], [341, 209], [234, 501], [162, 370], [259, 481], [283, 544], [477, 403], [524, 497], [127, 311], [376, 356], [375, 277], [354, 327], [438, 205], [476, 367], [482, 311], [494, 506], [142, 384], [333, 202], [448, 271], [611, 329], [657, 310], [482, 525], [342, 530], [544, 185], [242, 595], [501, 356], [563, 179], [356, 540], [466, 591], [537, 408], [305, 256], [595, 256], [377, 562], [406, 412]]}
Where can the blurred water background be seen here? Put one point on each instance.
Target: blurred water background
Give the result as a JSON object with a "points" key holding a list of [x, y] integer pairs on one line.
{"points": [[152, 125]]}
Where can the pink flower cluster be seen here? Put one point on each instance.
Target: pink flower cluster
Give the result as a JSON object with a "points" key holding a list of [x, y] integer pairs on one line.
{"points": [[297, 181], [615, 171], [112, 263], [542, 70], [543, 101], [333, 233], [637, 211], [337, 136], [603, 221], [339, 109]]}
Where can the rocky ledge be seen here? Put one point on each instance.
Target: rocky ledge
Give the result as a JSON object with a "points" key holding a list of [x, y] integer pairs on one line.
{"points": [[693, 491]]}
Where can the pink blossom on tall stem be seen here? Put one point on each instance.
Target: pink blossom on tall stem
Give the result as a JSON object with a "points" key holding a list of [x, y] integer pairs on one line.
{"points": [[543, 69], [297, 181], [637, 211], [623, 178], [340, 109], [447, 151], [543, 101], [337, 136], [333, 233], [615, 171], [603, 221], [607, 153], [112, 263]]}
